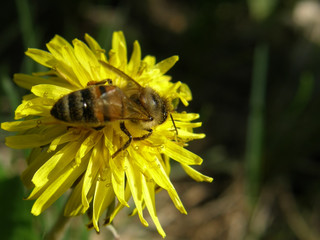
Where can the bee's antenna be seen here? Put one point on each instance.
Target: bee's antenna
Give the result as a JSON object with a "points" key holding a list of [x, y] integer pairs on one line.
{"points": [[174, 125], [119, 72]]}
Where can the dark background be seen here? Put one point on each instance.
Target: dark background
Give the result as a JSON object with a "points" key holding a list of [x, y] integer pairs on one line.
{"points": [[253, 68]]}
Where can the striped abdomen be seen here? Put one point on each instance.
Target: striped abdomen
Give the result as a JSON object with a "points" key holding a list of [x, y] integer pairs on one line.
{"points": [[81, 106]]}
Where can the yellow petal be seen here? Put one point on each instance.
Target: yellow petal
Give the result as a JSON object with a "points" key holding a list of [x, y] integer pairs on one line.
{"points": [[82, 76], [35, 107], [50, 91], [28, 97], [180, 124], [156, 170], [90, 141], [184, 131], [57, 163], [56, 45], [69, 136], [149, 61], [176, 200], [74, 205], [60, 41], [139, 161], [34, 140], [188, 136], [108, 138], [180, 154], [134, 63], [119, 47], [166, 64], [28, 81], [118, 179], [25, 124], [119, 205], [58, 53], [95, 47], [103, 197], [185, 117], [185, 94], [58, 187], [87, 59], [61, 61], [166, 164], [134, 181], [38, 157], [149, 198], [159, 175], [66, 72], [40, 56], [48, 73], [197, 176], [90, 176]]}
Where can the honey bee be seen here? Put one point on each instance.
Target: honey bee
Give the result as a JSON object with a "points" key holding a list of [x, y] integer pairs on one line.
{"points": [[100, 103]]}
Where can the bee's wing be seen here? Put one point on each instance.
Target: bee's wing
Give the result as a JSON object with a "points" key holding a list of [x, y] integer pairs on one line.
{"points": [[120, 73], [115, 105]]}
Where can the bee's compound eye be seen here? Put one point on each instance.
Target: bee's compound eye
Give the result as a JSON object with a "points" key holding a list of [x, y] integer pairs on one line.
{"points": [[150, 100]]}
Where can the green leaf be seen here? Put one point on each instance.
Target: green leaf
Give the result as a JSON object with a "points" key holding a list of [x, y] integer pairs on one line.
{"points": [[16, 220]]}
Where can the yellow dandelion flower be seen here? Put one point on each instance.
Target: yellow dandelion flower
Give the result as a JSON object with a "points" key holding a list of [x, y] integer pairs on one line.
{"points": [[105, 127]]}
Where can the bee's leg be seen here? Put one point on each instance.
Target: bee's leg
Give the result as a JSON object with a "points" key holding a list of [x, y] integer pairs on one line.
{"points": [[125, 130], [144, 136], [109, 81]]}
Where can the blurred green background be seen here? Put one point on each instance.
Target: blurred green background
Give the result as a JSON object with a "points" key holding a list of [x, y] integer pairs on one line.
{"points": [[253, 68]]}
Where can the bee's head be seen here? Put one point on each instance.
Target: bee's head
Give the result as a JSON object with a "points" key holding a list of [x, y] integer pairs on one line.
{"points": [[156, 107]]}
